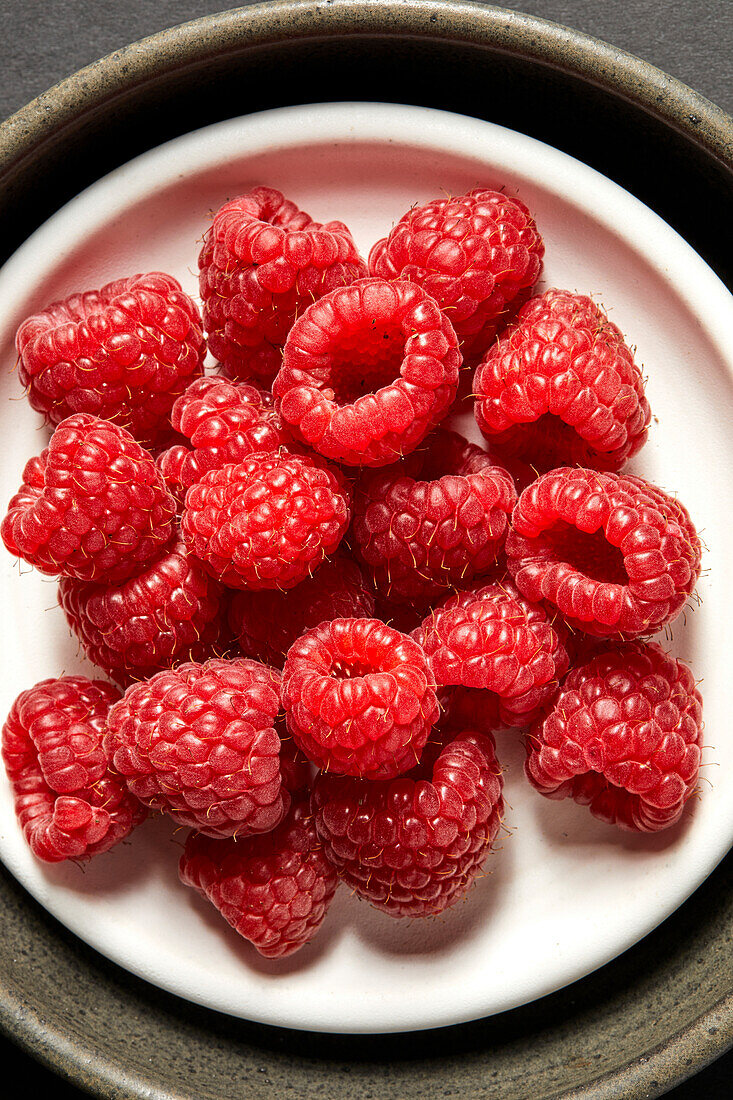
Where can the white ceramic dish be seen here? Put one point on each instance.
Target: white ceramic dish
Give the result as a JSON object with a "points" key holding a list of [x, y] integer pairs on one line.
{"points": [[564, 893]]}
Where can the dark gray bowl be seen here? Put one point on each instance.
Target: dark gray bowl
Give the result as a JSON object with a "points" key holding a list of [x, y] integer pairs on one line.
{"points": [[664, 1009]]}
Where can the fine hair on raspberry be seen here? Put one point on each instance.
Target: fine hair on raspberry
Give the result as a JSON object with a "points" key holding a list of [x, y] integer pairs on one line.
{"points": [[367, 371], [262, 262], [199, 742], [69, 800], [560, 387], [122, 353], [172, 612], [268, 521], [493, 639], [273, 889], [614, 554], [359, 698], [478, 255], [93, 505], [433, 522], [413, 846], [623, 737]]}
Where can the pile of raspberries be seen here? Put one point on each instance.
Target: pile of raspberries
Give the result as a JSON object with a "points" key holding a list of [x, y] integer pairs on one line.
{"points": [[313, 602]]}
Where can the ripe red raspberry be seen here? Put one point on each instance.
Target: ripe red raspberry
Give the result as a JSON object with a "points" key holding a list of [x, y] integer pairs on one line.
{"points": [[561, 387], [434, 521], [69, 802], [199, 742], [359, 698], [413, 846], [122, 353], [614, 554], [274, 889], [478, 255], [172, 612], [267, 522], [91, 506], [225, 423], [623, 737], [492, 638], [267, 623], [367, 371], [262, 262], [171, 464]]}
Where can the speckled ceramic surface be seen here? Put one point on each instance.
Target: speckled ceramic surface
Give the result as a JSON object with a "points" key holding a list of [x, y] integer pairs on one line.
{"points": [[637, 1026]]}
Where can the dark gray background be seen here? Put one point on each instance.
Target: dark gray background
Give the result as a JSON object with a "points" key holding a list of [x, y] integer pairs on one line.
{"points": [[41, 43]]}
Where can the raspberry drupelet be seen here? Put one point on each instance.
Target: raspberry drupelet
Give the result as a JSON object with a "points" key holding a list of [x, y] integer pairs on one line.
{"points": [[69, 802], [199, 742], [174, 611], [267, 623], [122, 353], [274, 889], [433, 522], [268, 521], [262, 262], [359, 698], [615, 555], [623, 737], [413, 846], [367, 372], [478, 255], [494, 639], [560, 387], [224, 423], [93, 505]]}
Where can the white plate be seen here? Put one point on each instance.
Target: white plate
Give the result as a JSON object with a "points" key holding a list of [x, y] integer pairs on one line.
{"points": [[564, 893]]}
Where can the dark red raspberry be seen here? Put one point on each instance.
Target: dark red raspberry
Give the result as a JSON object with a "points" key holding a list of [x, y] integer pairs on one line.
{"points": [[172, 612], [274, 889], [69, 802], [122, 353], [434, 521], [199, 742], [171, 464], [359, 698], [267, 623], [367, 371], [614, 554], [478, 255], [623, 737], [225, 423], [492, 638], [93, 505], [561, 387], [413, 846], [267, 522], [262, 262]]}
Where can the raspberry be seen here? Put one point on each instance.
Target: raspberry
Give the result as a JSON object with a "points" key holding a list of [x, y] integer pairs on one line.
{"points": [[274, 889], [69, 802], [413, 846], [560, 387], [433, 522], [122, 353], [170, 613], [199, 742], [171, 464], [614, 554], [262, 262], [225, 423], [624, 737], [478, 255], [267, 623], [359, 698], [91, 506], [367, 371], [267, 522], [492, 638]]}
